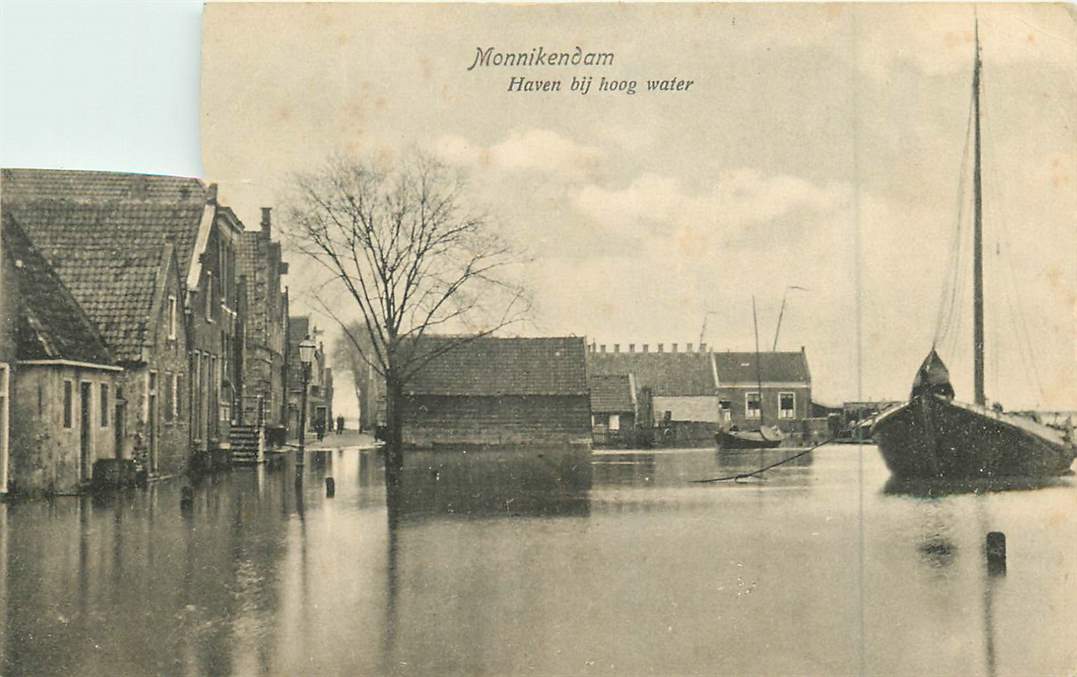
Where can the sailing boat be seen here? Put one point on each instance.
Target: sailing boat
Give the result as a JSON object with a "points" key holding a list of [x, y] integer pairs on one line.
{"points": [[933, 436], [763, 437]]}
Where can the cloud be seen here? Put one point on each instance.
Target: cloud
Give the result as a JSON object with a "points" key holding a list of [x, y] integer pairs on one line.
{"points": [[741, 201], [533, 149]]}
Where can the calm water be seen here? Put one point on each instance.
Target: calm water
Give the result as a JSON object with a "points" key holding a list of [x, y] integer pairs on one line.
{"points": [[486, 564]]}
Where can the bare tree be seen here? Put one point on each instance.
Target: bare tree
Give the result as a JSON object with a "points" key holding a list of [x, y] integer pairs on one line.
{"points": [[415, 258]]}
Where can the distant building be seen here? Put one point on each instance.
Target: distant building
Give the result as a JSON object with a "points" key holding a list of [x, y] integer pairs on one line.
{"points": [[786, 389], [683, 388], [696, 391], [614, 407], [499, 391], [320, 381]]}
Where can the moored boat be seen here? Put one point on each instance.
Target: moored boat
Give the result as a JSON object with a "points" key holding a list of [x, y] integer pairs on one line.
{"points": [[764, 438], [933, 436]]}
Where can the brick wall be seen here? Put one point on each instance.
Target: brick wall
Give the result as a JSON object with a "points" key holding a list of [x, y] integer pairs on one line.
{"points": [[448, 420]]}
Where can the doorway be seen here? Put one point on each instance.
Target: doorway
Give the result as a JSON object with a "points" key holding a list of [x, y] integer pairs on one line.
{"points": [[152, 422], [85, 431]]}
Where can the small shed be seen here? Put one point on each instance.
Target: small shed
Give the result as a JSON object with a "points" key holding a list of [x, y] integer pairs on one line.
{"points": [[487, 391]]}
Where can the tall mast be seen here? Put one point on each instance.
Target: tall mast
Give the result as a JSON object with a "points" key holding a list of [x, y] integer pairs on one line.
{"points": [[758, 367], [977, 241]]}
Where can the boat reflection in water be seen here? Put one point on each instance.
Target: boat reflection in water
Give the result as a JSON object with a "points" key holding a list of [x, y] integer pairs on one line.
{"points": [[935, 488]]}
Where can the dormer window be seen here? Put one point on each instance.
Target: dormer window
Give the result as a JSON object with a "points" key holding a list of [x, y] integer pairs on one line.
{"points": [[172, 318]]}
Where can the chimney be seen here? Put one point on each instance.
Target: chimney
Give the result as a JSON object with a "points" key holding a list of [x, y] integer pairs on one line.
{"points": [[602, 348], [687, 347], [646, 348], [631, 347], [661, 347], [616, 347], [674, 347], [702, 347], [267, 222]]}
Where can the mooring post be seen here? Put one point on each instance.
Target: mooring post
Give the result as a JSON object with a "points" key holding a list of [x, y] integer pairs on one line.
{"points": [[330, 487], [186, 498], [996, 553]]}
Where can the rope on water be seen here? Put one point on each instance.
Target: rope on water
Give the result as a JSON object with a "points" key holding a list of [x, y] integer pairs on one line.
{"points": [[746, 475]]}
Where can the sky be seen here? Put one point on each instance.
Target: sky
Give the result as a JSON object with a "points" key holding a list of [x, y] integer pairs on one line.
{"points": [[819, 146]]}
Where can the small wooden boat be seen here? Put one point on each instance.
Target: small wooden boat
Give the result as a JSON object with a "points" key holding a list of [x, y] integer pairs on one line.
{"points": [[765, 437]]}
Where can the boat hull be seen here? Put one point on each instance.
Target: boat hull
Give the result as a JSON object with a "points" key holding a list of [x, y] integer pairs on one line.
{"points": [[933, 437], [748, 439]]}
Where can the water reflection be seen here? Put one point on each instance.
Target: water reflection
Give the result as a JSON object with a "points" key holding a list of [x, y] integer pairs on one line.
{"points": [[935, 488], [545, 563]]}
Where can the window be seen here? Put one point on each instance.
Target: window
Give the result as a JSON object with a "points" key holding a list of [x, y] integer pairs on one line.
{"points": [[68, 414], [170, 397], [209, 295], [104, 405], [177, 395], [787, 405], [172, 318], [751, 405], [725, 410], [615, 421]]}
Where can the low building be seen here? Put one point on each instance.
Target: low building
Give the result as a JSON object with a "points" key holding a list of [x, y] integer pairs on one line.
{"points": [[75, 403], [499, 391], [682, 386], [614, 407]]}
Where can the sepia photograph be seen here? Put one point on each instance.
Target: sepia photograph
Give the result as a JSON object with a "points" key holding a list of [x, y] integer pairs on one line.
{"points": [[559, 339]]}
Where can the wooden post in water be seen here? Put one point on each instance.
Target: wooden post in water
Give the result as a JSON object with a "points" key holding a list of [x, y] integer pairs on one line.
{"points": [[996, 553]]}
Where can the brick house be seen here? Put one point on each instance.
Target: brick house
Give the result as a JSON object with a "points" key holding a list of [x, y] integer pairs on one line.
{"points": [[499, 391], [319, 385], [94, 349], [614, 406], [263, 391], [100, 231], [786, 382]]}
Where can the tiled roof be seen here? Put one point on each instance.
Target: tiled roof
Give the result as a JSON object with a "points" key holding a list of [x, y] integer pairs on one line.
{"points": [[104, 234], [50, 324], [491, 366], [611, 393], [95, 187], [666, 374], [774, 367]]}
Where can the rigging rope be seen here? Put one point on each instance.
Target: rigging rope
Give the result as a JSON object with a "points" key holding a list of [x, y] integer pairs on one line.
{"points": [[746, 475], [954, 286], [1018, 320]]}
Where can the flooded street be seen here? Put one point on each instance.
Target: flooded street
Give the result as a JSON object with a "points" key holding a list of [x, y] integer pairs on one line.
{"points": [[496, 563]]}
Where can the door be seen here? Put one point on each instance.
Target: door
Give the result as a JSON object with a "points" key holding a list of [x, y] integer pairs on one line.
{"points": [[118, 426], [85, 431], [151, 423]]}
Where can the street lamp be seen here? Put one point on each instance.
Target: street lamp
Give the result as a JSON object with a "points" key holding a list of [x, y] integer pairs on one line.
{"points": [[306, 356]]}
